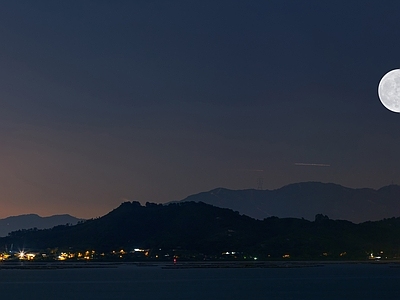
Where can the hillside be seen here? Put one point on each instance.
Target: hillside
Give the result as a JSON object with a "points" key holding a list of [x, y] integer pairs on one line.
{"points": [[131, 225], [305, 200], [14, 223], [202, 229]]}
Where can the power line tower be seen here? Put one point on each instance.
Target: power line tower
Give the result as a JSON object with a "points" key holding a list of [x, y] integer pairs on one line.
{"points": [[260, 181]]}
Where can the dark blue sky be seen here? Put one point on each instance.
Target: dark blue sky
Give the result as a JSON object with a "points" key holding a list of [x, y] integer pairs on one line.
{"points": [[108, 101]]}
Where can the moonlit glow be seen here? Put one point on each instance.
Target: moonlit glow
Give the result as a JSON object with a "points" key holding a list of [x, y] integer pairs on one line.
{"points": [[389, 90]]}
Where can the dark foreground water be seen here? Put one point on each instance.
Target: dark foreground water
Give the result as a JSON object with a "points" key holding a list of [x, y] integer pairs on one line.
{"points": [[335, 281]]}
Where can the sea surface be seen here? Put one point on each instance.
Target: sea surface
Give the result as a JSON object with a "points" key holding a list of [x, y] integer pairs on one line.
{"points": [[329, 281]]}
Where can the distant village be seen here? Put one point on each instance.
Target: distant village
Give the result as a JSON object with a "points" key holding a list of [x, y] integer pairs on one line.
{"points": [[160, 255]]}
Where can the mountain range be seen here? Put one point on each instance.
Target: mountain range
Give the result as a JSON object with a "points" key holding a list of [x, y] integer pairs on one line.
{"points": [[306, 199], [298, 200], [191, 230], [13, 223]]}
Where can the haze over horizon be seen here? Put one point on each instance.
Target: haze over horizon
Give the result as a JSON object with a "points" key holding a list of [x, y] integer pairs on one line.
{"points": [[109, 101]]}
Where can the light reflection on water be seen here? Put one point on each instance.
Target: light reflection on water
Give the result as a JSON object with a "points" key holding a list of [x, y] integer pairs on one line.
{"points": [[336, 281]]}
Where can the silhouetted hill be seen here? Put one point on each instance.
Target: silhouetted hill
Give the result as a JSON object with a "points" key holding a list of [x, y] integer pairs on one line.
{"points": [[187, 225], [305, 200], [199, 228], [32, 220]]}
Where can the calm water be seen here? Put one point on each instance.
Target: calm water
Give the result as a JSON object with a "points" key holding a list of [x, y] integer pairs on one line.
{"points": [[351, 281]]}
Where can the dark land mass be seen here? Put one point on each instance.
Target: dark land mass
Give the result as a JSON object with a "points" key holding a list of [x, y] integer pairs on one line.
{"points": [[200, 231], [13, 223], [305, 200]]}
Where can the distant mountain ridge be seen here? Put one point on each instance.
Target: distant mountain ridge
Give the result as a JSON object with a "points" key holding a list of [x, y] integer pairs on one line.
{"points": [[306, 199], [28, 221]]}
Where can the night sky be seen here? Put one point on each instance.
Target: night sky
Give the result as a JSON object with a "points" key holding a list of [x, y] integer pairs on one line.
{"points": [[109, 101]]}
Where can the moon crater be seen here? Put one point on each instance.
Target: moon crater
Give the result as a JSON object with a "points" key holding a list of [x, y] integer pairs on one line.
{"points": [[389, 90]]}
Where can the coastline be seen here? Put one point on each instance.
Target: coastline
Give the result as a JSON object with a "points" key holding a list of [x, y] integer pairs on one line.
{"points": [[185, 264]]}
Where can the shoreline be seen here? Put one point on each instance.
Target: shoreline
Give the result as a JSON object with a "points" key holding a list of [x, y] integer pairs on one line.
{"points": [[184, 264]]}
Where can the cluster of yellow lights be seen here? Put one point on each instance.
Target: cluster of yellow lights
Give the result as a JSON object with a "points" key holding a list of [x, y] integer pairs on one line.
{"points": [[122, 252], [4, 256], [22, 255], [64, 256], [89, 254]]}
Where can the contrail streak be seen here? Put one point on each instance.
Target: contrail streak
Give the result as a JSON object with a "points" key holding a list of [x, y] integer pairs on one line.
{"points": [[312, 165], [248, 170]]}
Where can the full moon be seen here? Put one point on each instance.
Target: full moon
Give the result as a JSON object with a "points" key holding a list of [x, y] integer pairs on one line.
{"points": [[389, 90]]}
